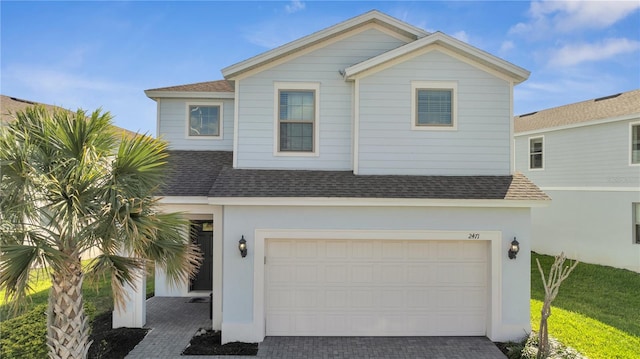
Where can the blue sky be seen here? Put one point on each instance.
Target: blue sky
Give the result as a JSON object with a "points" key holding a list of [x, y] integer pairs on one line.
{"points": [[105, 54]]}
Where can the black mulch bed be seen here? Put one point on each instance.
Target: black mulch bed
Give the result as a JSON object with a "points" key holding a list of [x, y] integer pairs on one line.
{"points": [[504, 348], [208, 342], [112, 343]]}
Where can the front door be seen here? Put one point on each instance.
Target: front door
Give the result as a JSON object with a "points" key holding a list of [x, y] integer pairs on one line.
{"points": [[202, 235]]}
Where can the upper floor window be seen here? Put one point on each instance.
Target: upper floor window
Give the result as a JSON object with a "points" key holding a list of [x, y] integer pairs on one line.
{"points": [[296, 118], [536, 149], [204, 119], [635, 144], [433, 105]]}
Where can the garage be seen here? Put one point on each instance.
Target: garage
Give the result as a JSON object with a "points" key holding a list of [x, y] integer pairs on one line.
{"points": [[357, 287]]}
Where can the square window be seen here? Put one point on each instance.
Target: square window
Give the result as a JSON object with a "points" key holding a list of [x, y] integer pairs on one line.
{"points": [[204, 120], [536, 150], [434, 107]]}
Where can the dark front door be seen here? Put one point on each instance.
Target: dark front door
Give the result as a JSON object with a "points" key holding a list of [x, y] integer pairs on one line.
{"points": [[202, 235]]}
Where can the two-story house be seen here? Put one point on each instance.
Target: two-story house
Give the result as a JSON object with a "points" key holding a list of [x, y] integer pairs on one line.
{"points": [[357, 181], [586, 156]]}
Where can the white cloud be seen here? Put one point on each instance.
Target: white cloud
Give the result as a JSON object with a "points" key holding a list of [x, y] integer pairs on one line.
{"points": [[126, 102], [294, 6], [568, 16], [506, 46], [461, 35], [578, 53], [58, 81]]}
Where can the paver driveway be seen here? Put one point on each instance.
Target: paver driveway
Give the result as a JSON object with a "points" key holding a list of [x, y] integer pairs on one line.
{"points": [[173, 321]]}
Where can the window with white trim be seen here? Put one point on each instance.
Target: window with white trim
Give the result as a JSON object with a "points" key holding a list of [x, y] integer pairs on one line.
{"points": [[536, 153], [636, 223], [635, 143], [433, 105], [296, 118], [204, 119]]}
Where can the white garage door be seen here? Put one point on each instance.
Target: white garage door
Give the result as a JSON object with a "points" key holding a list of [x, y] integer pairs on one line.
{"points": [[376, 287]]}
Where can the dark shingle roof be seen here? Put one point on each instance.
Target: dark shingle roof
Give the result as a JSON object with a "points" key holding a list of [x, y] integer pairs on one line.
{"points": [[192, 173], [209, 173], [625, 103], [209, 86], [296, 183]]}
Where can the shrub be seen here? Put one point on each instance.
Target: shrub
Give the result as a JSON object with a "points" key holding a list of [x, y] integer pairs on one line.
{"points": [[25, 335]]}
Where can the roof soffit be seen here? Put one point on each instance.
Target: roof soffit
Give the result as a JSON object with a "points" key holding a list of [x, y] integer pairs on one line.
{"points": [[472, 55], [391, 25]]}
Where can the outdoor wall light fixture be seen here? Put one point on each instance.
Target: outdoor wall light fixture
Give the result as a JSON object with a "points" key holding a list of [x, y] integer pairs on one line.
{"points": [[242, 246], [514, 248]]}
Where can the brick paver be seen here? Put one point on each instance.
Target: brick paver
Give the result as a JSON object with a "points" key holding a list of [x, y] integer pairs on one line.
{"points": [[173, 321]]}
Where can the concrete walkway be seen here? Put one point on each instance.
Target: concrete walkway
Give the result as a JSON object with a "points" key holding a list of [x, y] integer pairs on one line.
{"points": [[173, 321]]}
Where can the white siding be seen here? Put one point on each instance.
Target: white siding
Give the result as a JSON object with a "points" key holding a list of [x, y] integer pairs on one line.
{"points": [[588, 156], [479, 146], [244, 221], [173, 124], [591, 226], [256, 106]]}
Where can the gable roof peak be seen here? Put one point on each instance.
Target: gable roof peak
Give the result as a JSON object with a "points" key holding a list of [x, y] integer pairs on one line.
{"points": [[516, 73], [372, 16]]}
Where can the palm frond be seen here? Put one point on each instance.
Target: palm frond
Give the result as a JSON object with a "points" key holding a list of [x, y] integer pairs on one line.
{"points": [[16, 262], [140, 166], [123, 270], [170, 248]]}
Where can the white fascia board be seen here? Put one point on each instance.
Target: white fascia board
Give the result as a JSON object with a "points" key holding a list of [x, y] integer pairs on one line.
{"points": [[189, 94], [593, 189], [373, 202], [518, 74], [183, 200], [632, 116], [232, 71]]}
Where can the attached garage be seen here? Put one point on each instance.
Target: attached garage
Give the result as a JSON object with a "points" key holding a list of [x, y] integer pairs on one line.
{"points": [[376, 287]]}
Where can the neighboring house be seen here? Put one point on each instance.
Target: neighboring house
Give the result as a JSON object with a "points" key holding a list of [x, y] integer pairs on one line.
{"points": [[10, 105], [586, 156], [368, 167]]}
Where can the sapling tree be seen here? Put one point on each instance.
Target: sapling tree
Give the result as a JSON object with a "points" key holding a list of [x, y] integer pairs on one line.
{"points": [[557, 275]]}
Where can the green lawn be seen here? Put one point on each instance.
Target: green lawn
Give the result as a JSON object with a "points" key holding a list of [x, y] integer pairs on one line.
{"points": [[97, 294], [23, 335], [597, 310]]}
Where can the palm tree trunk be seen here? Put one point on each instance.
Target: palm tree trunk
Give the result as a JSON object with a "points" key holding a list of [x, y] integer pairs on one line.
{"points": [[67, 329]]}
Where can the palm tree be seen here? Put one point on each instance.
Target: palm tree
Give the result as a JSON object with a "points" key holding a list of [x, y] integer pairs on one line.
{"points": [[68, 184]]}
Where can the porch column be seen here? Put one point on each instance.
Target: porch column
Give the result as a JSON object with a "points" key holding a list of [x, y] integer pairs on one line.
{"points": [[216, 298], [134, 312]]}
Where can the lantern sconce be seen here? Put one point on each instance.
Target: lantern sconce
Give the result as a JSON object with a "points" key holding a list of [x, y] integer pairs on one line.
{"points": [[514, 248], [242, 246]]}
